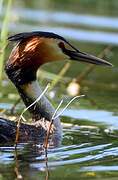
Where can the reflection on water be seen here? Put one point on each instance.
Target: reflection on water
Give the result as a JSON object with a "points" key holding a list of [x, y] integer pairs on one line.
{"points": [[86, 151], [84, 154], [85, 148], [99, 116]]}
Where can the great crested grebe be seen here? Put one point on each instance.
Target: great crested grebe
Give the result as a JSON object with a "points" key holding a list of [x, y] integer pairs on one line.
{"points": [[32, 50]]}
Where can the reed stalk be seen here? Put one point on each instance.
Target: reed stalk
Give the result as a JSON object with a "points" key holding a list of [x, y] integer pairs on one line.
{"points": [[4, 34]]}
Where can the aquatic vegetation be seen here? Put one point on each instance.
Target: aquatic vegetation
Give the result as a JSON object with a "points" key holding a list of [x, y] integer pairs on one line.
{"points": [[3, 35]]}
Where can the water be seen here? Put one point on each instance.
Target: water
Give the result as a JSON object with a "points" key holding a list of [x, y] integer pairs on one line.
{"points": [[89, 147], [87, 150]]}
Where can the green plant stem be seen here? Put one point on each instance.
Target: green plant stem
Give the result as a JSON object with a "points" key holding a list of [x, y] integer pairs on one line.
{"points": [[3, 36], [60, 75]]}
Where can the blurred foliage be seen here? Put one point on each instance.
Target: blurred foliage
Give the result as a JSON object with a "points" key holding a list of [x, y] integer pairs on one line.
{"points": [[101, 7], [4, 33]]}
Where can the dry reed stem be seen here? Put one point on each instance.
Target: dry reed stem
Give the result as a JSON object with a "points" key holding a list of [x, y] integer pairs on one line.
{"points": [[22, 117], [54, 117]]}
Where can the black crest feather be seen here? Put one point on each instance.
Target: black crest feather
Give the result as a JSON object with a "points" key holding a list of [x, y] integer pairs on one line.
{"points": [[26, 35]]}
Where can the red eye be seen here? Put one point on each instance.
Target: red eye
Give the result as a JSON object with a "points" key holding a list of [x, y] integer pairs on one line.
{"points": [[61, 45]]}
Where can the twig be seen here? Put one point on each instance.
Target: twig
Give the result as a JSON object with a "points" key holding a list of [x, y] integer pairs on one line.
{"points": [[22, 117], [48, 132], [60, 113], [54, 117], [16, 169], [47, 171]]}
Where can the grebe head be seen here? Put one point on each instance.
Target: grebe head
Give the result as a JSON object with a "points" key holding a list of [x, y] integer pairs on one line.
{"points": [[32, 50]]}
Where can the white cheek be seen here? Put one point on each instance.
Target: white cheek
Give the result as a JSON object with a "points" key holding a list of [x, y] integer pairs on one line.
{"points": [[56, 51]]}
